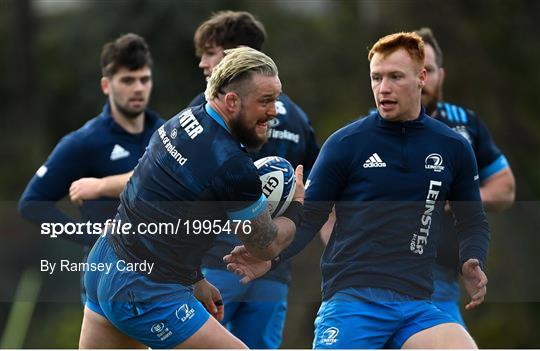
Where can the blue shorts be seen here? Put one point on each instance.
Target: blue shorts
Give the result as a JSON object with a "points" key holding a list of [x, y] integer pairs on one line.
{"points": [[158, 315], [254, 312], [369, 318], [446, 298]]}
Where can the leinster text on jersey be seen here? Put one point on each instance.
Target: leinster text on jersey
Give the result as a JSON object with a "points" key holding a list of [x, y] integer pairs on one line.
{"points": [[418, 241]]}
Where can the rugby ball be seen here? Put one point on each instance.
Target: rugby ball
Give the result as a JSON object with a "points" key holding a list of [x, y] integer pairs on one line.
{"points": [[278, 183]]}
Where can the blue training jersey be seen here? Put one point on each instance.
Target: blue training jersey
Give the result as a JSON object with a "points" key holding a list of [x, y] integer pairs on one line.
{"points": [[490, 161], [389, 182], [98, 149], [290, 136], [193, 171]]}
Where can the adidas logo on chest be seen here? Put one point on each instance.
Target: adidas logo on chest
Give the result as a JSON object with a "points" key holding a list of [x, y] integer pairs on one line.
{"points": [[118, 152], [374, 161]]}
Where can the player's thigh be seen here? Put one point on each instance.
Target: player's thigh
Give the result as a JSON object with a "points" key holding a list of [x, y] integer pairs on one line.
{"points": [[442, 336], [97, 333], [260, 325], [260, 320], [212, 335]]}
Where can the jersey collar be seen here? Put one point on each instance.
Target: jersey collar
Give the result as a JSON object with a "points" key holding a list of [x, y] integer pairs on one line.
{"points": [[107, 114], [150, 119], [213, 113], [415, 123]]}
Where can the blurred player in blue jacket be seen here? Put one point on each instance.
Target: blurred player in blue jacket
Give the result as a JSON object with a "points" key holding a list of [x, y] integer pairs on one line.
{"points": [[497, 184], [90, 164], [254, 312]]}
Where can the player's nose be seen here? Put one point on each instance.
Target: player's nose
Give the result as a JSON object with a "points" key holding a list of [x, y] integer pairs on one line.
{"points": [[203, 63], [385, 86], [272, 111]]}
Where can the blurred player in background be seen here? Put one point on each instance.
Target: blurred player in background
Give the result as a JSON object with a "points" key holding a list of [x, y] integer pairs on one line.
{"points": [[497, 184], [254, 312], [106, 146]]}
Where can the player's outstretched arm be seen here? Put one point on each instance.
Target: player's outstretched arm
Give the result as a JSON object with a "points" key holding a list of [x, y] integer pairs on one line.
{"points": [[242, 263], [498, 191], [475, 282], [267, 237], [93, 188]]}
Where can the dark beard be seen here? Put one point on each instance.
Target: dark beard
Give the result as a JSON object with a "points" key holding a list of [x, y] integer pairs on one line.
{"points": [[431, 107], [127, 113], [246, 136]]}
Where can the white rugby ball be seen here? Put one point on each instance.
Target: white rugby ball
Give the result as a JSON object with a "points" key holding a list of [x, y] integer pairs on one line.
{"points": [[278, 182]]}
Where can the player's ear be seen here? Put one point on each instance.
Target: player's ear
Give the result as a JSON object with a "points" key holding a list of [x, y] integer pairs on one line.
{"points": [[422, 76], [442, 74], [232, 101], [105, 85]]}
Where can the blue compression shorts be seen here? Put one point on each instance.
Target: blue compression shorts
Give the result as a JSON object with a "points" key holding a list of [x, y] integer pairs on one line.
{"points": [[159, 315]]}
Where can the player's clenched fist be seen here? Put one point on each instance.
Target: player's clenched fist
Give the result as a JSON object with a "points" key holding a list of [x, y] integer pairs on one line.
{"points": [[85, 189]]}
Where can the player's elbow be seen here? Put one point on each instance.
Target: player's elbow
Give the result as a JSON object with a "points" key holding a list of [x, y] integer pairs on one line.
{"points": [[507, 201], [30, 209], [511, 192], [25, 208], [510, 188], [499, 193], [507, 197]]}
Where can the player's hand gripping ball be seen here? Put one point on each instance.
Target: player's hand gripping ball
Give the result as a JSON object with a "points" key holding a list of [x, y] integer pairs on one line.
{"points": [[278, 183]]}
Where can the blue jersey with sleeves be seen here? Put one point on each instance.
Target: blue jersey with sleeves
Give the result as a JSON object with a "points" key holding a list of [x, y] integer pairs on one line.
{"points": [[290, 136], [490, 161], [389, 182], [193, 170], [98, 149]]}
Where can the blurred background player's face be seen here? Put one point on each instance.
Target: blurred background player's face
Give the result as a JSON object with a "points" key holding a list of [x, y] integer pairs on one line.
{"points": [[212, 55], [129, 91], [396, 82], [258, 106], [432, 91]]}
